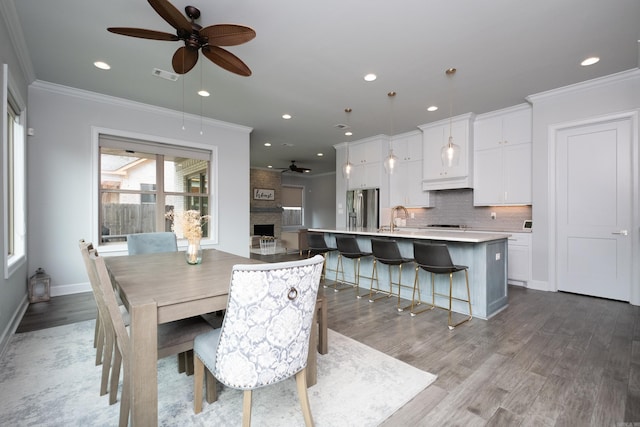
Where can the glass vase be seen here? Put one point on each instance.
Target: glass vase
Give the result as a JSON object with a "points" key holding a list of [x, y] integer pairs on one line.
{"points": [[194, 252]]}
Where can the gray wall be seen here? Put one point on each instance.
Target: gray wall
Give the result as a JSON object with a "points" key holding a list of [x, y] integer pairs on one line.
{"points": [[62, 158], [589, 100], [13, 291], [320, 198]]}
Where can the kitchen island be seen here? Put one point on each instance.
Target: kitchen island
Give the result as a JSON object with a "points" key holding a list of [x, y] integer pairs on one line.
{"points": [[484, 253]]}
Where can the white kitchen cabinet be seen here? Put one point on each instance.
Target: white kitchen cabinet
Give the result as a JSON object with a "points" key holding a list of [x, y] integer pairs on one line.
{"points": [[406, 186], [369, 151], [519, 265], [510, 126], [365, 156], [502, 170], [406, 181], [437, 176], [365, 175], [408, 146]]}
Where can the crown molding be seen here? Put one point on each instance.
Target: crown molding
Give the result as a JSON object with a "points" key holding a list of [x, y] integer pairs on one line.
{"points": [[631, 74], [12, 22], [120, 102]]}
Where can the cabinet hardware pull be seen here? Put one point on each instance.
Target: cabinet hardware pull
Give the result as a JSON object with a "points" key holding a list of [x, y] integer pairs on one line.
{"points": [[621, 232]]}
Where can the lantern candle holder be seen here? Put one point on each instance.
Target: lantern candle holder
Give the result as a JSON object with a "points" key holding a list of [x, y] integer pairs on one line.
{"points": [[39, 286]]}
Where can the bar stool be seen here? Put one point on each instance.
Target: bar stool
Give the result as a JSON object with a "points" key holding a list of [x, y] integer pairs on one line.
{"points": [[348, 248], [318, 246], [436, 259], [387, 252]]}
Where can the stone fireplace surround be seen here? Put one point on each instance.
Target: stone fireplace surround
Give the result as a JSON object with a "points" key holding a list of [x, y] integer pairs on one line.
{"points": [[265, 211]]}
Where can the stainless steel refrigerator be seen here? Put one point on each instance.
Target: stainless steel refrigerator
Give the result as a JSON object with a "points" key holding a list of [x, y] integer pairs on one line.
{"points": [[363, 208]]}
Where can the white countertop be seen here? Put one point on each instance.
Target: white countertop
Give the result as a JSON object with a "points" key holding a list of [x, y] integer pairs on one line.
{"points": [[454, 235]]}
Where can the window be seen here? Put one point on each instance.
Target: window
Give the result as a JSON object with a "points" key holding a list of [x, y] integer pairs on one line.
{"points": [[141, 181], [14, 176], [292, 205]]}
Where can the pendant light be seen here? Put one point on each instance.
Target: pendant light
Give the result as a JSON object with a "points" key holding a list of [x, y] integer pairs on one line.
{"points": [[347, 167], [391, 161], [450, 152]]}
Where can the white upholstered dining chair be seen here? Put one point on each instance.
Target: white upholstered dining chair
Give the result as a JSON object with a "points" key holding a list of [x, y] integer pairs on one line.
{"points": [[264, 338]]}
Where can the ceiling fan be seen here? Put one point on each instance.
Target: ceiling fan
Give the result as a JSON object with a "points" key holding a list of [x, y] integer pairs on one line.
{"points": [[294, 168], [195, 37]]}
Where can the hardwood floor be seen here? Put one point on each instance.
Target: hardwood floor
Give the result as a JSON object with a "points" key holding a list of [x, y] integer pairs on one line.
{"points": [[549, 359]]}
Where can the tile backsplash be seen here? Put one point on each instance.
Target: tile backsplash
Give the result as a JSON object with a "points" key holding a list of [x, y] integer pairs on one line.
{"points": [[456, 207]]}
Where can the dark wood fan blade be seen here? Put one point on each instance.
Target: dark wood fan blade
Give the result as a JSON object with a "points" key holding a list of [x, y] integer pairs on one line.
{"points": [[184, 60], [226, 60], [227, 34], [169, 13], [143, 34]]}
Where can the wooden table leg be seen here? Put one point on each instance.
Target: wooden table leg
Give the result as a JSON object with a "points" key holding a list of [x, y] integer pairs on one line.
{"points": [[312, 358], [321, 312], [144, 368]]}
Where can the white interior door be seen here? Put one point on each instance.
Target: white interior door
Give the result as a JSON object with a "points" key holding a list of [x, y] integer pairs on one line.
{"points": [[593, 171]]}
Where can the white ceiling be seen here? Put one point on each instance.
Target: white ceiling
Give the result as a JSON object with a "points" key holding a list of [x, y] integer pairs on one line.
{"points": [[309, 58]]}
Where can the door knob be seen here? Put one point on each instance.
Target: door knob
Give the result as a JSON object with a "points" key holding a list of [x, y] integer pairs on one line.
{"points": [[621, 232]]}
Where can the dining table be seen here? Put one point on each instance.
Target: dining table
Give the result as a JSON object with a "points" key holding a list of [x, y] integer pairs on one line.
{"points": [[162, 287]]}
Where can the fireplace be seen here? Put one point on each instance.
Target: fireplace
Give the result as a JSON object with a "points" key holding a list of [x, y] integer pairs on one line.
{"points": [[263, 230]]}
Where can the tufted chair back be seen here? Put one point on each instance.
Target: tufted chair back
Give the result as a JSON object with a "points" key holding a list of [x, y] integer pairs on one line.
{"points": [[265, 334]]}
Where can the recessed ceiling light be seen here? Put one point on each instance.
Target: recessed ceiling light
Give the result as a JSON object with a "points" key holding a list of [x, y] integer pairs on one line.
{"points": [[590, 61], [286, 116], [102, 65], [432, 108], [320, 154], [370, 77], [348, 133], [203, 93], [267, 144]]}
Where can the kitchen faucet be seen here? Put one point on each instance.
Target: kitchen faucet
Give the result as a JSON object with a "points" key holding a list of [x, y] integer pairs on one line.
{"points": [[393, 214]]}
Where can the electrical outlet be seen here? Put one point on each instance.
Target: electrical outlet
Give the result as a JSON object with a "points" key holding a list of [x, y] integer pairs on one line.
{"points": [[493, 215], [498, 256], [413, 215]]}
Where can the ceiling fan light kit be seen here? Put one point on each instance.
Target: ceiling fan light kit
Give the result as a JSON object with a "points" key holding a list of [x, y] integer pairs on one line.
{"points": [[195, 38]]}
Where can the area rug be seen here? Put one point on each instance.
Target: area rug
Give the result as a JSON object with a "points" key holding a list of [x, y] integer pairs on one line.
{"points": [[49, 378]]}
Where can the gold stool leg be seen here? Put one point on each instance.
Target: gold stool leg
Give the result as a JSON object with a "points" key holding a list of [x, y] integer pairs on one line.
{"points": [[340, 268], [416, 284], [468, 300]]}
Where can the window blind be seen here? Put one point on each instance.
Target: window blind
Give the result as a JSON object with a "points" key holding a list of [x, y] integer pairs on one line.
{"points": [[110, 141], [291, 197]]}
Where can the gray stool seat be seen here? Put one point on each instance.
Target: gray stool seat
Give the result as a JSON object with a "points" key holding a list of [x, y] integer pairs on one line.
{"points": [[348, 248], [387, 252], [318, 246], [436, 259]]}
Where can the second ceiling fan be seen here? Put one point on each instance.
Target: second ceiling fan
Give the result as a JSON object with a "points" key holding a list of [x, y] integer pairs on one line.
{"points": [[195, 38], [294, 168]]}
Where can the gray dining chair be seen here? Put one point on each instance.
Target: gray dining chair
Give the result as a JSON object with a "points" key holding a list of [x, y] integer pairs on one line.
{"points": [[159, 242], [173, 337], [104, 338], [151, 243], [264, 338]]}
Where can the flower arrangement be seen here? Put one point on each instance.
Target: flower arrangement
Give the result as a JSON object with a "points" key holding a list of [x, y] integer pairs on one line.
{"points": [[188, 222]]}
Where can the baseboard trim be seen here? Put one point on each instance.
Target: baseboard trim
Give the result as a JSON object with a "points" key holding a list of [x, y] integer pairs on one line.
{"points": [[539, 285], [76, 288], [13, 325]]}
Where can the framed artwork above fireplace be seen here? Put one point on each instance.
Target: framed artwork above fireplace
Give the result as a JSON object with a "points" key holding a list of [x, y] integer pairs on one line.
{"points": [[264, 194]]}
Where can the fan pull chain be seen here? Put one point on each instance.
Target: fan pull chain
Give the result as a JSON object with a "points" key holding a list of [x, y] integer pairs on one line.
{"points": [[201, 88], [183, 128]]}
